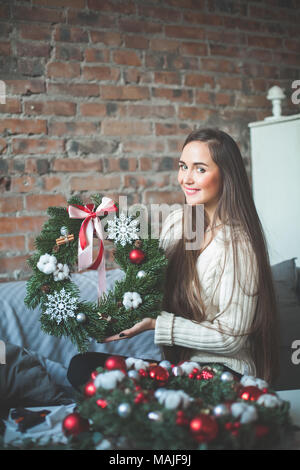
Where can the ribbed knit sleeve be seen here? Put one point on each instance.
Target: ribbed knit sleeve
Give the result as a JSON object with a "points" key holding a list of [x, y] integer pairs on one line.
{"points": [[217, 336]]}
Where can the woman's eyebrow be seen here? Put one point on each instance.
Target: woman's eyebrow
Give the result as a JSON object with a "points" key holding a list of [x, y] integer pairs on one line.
{"points": [[194, 163]]}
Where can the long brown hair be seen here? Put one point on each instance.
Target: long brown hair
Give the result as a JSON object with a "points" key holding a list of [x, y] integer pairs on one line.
{"points": [[236, 209]]}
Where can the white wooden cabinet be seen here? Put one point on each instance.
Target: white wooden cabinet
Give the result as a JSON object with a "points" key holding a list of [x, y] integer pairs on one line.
{"points": [[275, 153]]}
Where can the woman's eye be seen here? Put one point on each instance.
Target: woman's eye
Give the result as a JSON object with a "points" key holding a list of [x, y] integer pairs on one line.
{"points": [[201, 169]]}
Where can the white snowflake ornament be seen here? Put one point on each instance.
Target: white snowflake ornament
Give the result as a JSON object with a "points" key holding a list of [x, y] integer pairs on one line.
{"points": [[131, 300], [123, 229], [60, 306]]}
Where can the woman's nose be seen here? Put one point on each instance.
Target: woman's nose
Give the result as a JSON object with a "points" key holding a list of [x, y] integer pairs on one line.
{"points": [[188, 177]]}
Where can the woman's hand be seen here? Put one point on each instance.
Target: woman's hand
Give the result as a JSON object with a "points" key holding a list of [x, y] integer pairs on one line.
{"points": [[145, 324]]}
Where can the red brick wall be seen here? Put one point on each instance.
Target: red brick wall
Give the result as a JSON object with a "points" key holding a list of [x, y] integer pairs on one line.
{"points": [[101, 95]]}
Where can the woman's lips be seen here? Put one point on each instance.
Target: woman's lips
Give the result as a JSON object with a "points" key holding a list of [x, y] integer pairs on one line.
{"points": [[191, 191]]}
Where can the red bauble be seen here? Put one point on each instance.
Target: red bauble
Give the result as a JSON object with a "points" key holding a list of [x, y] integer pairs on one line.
{"points": [[74, 424], [250, 393], [137, 256], [89, 389], [204, 428], [158, 373], [101, 403], [116, 362], [94, 374]]}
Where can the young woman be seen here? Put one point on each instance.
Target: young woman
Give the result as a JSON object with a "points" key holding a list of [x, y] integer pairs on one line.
{"points": [[219, 304]]}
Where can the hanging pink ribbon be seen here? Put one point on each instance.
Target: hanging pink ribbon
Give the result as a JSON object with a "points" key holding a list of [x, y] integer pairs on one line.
{"points": [[90, 224]]}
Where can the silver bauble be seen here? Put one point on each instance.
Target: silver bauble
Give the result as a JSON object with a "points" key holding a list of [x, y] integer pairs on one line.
{"points": [[227, 377], [81, 317], [124, 410], [64, 231], [221, 410], [141, 274]]}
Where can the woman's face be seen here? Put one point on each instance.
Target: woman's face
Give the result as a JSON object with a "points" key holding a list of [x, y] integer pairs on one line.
{"points": [[199, 176]]}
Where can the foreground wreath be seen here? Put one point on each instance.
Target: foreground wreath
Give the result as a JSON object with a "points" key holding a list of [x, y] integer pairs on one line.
{"points": [[66, 241], [131, 404]]}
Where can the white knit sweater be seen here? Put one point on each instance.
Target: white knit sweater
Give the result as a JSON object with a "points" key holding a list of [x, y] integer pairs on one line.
{"points": [[209, 344]]}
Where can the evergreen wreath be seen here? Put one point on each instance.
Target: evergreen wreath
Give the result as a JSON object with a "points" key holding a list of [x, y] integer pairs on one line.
{"points": [[138, 295], [132, 404]]}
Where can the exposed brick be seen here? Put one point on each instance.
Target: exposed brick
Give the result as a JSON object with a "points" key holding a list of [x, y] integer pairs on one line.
{"points": [[68, 52], [110, 127], [95, 183], [97, 55], [111, 92], [132, 26], [70, 34], [25, 87], [126, 57], [164, 45], [43, 15], [23, 184], [60, 128], [109, 38], [75, 165], [73, 89], [90, 18], [101, 73], [93, 109], [5, 48], [35, 32], [183, 32], [37, 146], [63, 70], [25, 224], [11, 204], [168, 78], [199, 80], [61, 3], [16, 263], [44, 201], [126, 8], [12, 106], [144, 111], [12, 243], [194, 48], [32, 49], [56, 108], [173, 94], [51, 183], [23, 126], [136, 42], [171, 129], [194, 112]]}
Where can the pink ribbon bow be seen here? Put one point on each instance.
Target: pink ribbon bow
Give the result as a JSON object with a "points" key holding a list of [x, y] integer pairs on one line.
{"points": [[85, 242]]}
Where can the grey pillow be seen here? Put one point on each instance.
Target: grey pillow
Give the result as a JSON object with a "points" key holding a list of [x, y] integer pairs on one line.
{"points": [[25, 382], [289, 329], [286, 271]]}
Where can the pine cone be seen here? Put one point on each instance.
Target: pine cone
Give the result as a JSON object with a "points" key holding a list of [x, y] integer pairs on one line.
{"points": [[138, 243]]}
